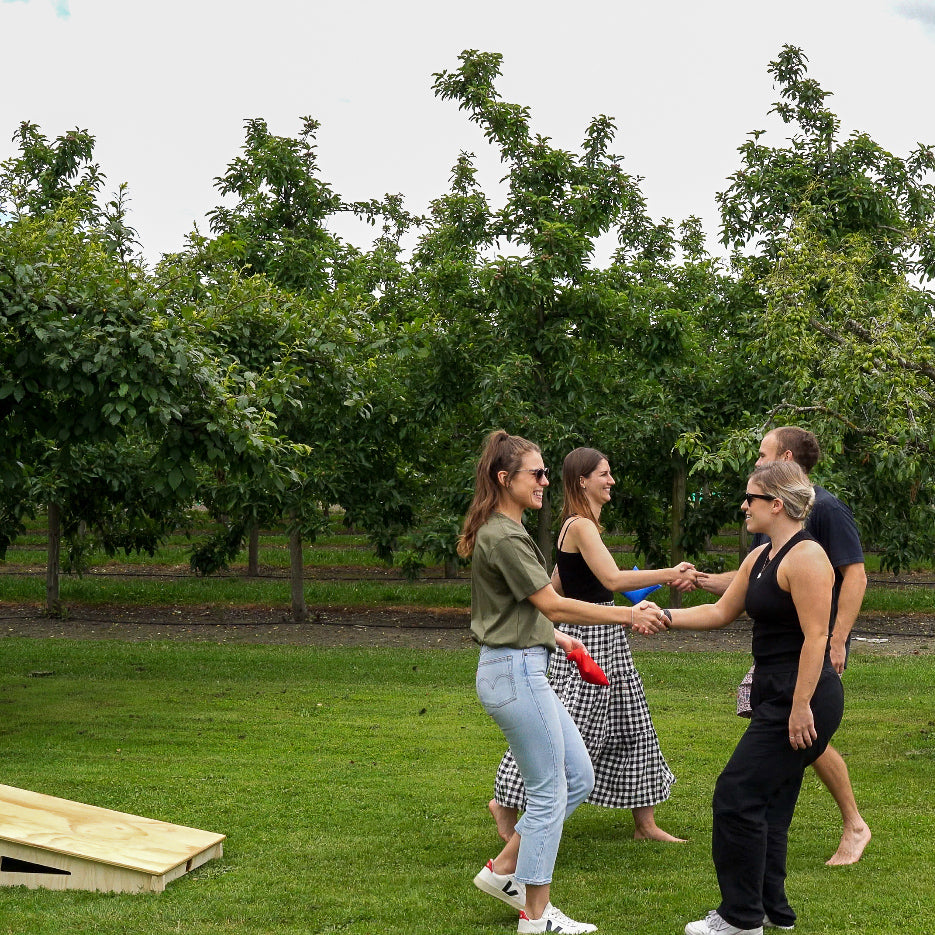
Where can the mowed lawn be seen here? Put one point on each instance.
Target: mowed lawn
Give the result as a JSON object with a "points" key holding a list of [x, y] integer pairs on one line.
{"points": [[352, 785]]}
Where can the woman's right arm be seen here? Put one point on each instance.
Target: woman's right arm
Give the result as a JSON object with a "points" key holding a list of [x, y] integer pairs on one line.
{"points": [[728, 607], [584, 534]]}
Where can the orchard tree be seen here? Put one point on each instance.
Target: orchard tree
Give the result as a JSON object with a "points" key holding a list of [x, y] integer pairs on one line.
{"points": [[838, 187], [108, 400], [528, 334], [313, 315], [857, 347], [517, 341], [835, 240], [48, 173], [691, 312], [277, 225]]}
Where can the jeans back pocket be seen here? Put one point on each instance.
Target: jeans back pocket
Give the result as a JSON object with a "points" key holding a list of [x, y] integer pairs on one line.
{"points": [[496, 686]]}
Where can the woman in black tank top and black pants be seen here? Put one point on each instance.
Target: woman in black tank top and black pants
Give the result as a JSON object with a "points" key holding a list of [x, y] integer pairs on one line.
{"points": [[797, 699]]}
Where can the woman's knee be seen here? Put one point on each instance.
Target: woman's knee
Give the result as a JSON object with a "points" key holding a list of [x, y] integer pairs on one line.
{"points": [[580, 783]]}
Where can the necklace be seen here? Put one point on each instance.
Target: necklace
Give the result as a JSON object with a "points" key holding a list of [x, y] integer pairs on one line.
{"points": [[769, 558]]}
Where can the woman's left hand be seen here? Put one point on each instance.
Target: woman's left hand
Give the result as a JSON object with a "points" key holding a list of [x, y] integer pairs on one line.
{"points": [[567, 643], [802, 731]]}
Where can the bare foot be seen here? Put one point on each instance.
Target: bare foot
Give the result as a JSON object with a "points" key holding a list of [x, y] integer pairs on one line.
{"points": [[655, 833], [852, 845], [646, 829], [504, 817]]}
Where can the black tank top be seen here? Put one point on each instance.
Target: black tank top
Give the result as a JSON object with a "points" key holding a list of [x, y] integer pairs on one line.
{"points": [[578, 581], [777, 633]]}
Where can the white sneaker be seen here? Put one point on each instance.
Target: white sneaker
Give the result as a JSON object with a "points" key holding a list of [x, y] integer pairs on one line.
{"points": [[769, 924], [501, 886], [713, 924], [553, 920]]}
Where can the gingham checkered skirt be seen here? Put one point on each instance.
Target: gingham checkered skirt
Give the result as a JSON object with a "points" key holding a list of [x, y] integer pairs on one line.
{"points": [[629, 768]]}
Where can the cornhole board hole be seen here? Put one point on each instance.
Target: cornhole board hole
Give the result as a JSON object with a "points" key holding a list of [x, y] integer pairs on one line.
{"points": [[56, 844]]}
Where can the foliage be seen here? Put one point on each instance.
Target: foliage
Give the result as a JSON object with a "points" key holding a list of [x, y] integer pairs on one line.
{"points": [[541, 341], [284, 298], [108, 399], [844, 251], [272, 370], [45, 174], [838, 188], [277, 226]]}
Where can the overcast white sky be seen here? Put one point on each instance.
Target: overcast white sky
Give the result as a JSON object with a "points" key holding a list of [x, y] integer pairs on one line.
{"points": [[165, 86]]}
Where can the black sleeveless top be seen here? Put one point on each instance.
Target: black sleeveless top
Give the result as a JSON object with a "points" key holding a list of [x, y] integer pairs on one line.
{"points": [[777, 633], [578, 581]]}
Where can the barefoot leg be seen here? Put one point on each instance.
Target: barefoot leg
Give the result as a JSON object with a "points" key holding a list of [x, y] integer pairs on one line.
{"points": [[832, 770], [504, 817], [646, 829]]}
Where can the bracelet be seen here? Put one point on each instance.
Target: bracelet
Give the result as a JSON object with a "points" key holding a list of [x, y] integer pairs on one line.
{"points": [[631, 618], [668, 614]]}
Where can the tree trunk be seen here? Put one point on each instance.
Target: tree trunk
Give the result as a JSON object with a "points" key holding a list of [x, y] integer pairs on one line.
{"points": [[297, 576], [253, 551], [451, 568], [544, 532], [679, 486], [53, 603], [743, 541]]}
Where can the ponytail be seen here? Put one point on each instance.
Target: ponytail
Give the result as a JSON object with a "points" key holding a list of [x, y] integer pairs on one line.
{"points": [[502, 452]]}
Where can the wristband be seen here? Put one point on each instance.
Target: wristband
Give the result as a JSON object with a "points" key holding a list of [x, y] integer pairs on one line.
{"points": [[668, 614]]}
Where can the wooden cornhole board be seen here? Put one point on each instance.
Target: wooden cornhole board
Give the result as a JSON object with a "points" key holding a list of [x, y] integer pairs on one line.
{"points": [[61, 845]]}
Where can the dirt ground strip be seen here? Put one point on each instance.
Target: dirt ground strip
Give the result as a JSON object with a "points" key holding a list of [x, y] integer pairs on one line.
{"points": [[407, 627]]}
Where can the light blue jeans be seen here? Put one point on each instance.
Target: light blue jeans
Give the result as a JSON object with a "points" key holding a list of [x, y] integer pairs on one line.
{"points": [[514, 689]]}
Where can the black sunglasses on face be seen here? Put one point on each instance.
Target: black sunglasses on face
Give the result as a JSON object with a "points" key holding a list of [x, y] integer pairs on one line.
{"points": [[540, 473], [750, 497]]}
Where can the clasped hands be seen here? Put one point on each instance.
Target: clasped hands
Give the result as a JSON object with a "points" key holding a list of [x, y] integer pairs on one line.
{"points": [[686, 577], [648, 619]]}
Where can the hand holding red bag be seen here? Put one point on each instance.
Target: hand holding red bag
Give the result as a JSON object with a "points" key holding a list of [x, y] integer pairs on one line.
{"points": [[590, 671]]}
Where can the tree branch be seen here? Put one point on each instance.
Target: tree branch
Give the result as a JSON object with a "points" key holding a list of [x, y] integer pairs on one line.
{"points": [[858, 330], [872, 433]]}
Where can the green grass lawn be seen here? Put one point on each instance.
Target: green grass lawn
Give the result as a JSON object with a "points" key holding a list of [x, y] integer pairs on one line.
{"points": [[352, 786]]}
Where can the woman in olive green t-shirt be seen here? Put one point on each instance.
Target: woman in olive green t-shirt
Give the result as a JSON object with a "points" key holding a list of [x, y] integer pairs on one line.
{"points": [[513, 611]]}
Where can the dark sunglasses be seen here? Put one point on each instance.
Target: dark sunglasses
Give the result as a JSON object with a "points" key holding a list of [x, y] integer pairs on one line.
{"points": [[750, 497], [539, 473]]}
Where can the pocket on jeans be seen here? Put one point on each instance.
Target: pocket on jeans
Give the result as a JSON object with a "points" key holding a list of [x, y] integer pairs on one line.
{"points": [[495, 684]]}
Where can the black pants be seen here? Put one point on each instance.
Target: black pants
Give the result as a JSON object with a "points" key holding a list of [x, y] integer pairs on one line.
{"points": [[755, 796]]}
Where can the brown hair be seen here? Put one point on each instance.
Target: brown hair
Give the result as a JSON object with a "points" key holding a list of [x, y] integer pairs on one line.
{"points": [[577, 464], [502, 452], [802, 444], [787, 481]]}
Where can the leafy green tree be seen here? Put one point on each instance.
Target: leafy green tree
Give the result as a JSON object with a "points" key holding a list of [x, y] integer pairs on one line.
{"points": [[47, 173], [692, 313], [277, 225], [835, 241], [529, 334], [108, 400], [842, 187], [287, 297]]}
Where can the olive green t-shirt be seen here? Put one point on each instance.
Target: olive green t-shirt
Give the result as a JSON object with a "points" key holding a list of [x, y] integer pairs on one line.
{"points": [[506, 568]]}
